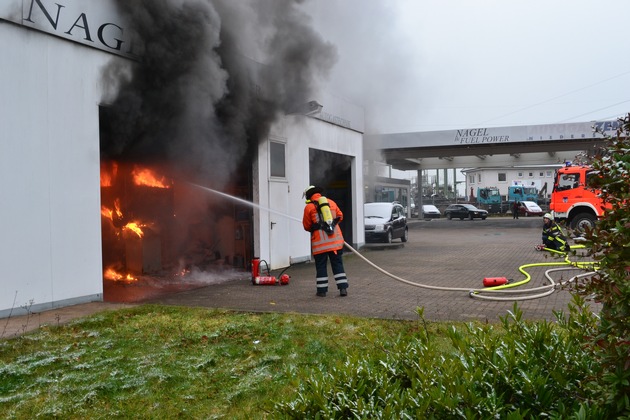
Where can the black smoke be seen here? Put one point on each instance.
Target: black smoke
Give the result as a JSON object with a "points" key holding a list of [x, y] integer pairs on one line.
{"points": [[210, 79]]}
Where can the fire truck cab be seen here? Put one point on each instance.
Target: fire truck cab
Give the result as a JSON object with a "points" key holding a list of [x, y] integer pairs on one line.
{"points": [[571, 199]]}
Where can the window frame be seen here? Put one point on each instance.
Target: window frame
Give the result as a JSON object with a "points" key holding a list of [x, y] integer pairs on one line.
{"points": [[274, 159]]}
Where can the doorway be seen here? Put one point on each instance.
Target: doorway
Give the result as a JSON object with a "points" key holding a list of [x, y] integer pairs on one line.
{"points": [[333, 172]]}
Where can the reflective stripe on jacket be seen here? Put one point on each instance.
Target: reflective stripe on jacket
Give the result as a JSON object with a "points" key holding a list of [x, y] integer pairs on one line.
{"points": [[320, 241], [553, 232]]}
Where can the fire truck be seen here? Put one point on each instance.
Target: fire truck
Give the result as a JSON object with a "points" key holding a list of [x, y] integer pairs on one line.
{"points": [[572, 201]]}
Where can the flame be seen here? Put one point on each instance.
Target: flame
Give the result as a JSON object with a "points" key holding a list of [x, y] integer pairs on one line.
{"points": [[111, 274], [136, 228], [117, 208], [146, 177], [109, 213], [105, 212], [107, 178]]}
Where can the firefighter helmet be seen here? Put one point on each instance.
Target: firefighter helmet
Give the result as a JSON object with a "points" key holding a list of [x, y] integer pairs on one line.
{"points": [[548, 216], [310, 190]]}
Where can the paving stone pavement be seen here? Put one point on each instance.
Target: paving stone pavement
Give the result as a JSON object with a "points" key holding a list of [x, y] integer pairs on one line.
{"points": [[439, 253], [442, 253]]}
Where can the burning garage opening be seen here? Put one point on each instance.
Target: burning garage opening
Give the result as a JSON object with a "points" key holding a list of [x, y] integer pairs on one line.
{"points": [[170, 95]]}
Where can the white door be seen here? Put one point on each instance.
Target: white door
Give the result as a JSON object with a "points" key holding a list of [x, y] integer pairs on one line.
{"points": [[279, 248]]}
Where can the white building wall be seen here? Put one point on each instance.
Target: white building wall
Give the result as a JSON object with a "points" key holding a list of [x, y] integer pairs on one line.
{"points": [[50, 246], [302, 133]]}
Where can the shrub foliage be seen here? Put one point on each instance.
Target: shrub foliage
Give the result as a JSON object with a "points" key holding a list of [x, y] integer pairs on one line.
{"points": [[514, 370], [610, 244]]}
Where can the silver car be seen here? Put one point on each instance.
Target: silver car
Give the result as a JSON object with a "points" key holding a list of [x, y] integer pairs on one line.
{"points": [[385, 222], [429, 211]]}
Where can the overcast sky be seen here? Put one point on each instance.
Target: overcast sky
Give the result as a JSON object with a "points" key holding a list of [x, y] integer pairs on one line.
{"points": [[423, 65]]}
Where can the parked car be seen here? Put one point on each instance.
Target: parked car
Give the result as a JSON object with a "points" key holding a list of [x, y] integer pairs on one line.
{"points": [[465, 211], [385, 222], [529, 208], [429, 211]]}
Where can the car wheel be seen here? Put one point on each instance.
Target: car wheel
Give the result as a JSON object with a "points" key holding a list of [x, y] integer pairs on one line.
{"points": [[461, 218], [483, 218], [405, 236], [449, 216], [583, 221], [388, 239], [470, 217]]}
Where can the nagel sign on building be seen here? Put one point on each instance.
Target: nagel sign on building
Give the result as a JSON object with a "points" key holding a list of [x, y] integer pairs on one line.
{"points": [[595, 129], [94, 23]]}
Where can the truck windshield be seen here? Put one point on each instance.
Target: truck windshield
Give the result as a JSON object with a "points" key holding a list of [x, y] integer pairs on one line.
{"points": [[567, 181]]}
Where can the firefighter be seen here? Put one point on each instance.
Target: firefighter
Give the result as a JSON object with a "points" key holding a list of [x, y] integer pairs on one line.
{"points": [[321, 219], [552, 235]]}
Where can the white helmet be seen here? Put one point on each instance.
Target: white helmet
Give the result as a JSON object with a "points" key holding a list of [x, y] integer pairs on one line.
{"points": [[310, 190], [548, 216]]}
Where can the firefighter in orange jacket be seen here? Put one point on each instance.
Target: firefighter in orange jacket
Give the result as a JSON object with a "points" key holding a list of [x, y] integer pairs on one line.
{"points": [[321, 218]]}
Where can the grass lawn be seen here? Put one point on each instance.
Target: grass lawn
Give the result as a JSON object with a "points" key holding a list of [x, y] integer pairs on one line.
{"points": [[165, 362]]}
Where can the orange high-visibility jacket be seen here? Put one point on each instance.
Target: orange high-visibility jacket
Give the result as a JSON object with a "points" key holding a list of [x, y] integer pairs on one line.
{"points": [[320, 240]]}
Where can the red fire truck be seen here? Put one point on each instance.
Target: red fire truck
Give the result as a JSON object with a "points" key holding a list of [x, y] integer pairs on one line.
{"points": [[571, 199]]}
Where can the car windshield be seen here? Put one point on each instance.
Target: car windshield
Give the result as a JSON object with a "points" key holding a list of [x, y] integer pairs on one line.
{"points": [[470, 207], [382, 210], [429, 207], [530, 205]]}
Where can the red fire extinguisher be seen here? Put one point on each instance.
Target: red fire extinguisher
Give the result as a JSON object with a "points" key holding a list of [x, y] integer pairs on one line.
{"points": [[255, 268], [265, 280], [268, 279], [284, 279], [494, 281]]}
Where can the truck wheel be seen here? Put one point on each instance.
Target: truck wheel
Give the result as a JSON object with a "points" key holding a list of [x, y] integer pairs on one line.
{"points": [[583, 221]]}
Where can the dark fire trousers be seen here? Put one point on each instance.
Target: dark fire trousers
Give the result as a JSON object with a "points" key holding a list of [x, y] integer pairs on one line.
{"points": [[336, 263]]}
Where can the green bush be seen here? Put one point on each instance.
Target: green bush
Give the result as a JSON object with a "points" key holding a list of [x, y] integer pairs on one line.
{"points": [[610, 244], [514, 370]]}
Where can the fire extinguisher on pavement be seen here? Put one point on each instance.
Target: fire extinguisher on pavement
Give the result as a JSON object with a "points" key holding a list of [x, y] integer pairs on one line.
{"points": [[494, 281], [257, 279]]}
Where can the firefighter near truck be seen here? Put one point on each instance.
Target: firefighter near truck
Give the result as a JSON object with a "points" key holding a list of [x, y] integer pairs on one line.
{"points": [[572, 201]]}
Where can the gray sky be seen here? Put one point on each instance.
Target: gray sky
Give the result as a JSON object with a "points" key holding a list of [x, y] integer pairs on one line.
{"points": [[423, 65]]}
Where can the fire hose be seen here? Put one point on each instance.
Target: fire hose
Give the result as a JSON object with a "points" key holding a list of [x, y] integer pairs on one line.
{"points": [[501, 289], [473, 293]]}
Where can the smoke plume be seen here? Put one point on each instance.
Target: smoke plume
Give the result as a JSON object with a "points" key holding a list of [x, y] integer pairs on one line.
{"points": [[210, 79]]}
